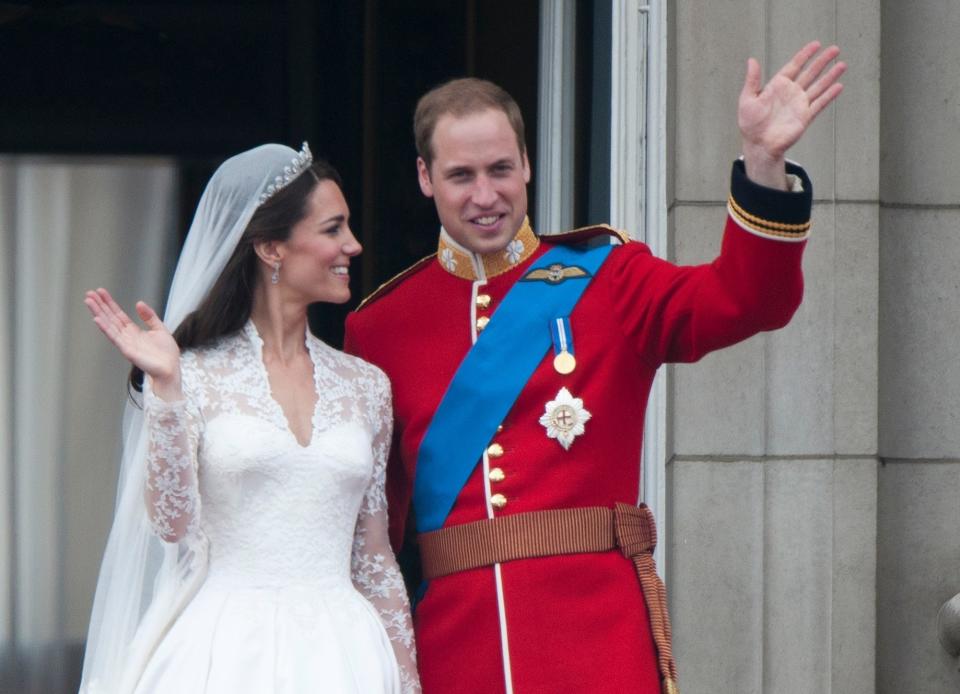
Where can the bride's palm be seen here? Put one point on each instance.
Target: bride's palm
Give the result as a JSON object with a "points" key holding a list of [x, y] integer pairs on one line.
{"points": [[153, 350]]}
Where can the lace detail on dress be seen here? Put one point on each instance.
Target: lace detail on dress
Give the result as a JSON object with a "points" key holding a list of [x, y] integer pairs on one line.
{"points": [[409, 684], [173, 496], [373, 565], [377, 577], [277, 513], [381, 583]]}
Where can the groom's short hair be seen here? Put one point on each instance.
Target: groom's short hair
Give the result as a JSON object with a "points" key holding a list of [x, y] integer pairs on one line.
{"points": [[462, 97]]}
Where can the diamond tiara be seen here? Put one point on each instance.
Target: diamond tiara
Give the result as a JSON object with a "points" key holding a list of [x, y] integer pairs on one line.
{"points": [[297, 166]]}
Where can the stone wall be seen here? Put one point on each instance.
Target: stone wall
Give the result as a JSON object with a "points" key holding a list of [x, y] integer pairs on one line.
{"points": [[814, 485]]}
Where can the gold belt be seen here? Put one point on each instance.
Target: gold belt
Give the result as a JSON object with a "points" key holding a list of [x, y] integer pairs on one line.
{"points": [[630, 529]]}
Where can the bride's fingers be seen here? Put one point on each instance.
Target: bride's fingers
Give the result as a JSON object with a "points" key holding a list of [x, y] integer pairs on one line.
{"points": [[95, 303], [90, 301], [110, 315], [112, 320], [114, 307], [149, 316], [108, 328]]}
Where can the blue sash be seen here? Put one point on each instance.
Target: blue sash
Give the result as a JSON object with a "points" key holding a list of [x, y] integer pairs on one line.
{"points": [[492, 374]]}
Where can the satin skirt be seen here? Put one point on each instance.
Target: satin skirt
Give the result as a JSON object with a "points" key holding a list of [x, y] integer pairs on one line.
{"points": [[290, 640]]}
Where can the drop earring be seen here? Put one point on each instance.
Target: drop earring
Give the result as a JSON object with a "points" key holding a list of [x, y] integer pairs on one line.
{"points": [[275, 277]]}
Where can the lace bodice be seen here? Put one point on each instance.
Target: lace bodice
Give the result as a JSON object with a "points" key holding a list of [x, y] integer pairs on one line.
{"points": [[224, 464]]}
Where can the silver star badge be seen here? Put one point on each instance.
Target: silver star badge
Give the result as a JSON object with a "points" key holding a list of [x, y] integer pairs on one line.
{"points": [[564, 418]]}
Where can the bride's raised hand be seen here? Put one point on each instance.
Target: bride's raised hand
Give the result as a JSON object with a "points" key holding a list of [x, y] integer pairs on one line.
{"points": [[153, 350]]}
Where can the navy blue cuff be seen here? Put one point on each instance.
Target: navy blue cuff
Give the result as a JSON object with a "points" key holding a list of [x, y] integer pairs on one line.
{"points": [[767, 211]]}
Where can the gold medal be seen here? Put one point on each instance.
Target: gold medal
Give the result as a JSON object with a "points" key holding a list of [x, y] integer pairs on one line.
{"points": [[564, 363]]}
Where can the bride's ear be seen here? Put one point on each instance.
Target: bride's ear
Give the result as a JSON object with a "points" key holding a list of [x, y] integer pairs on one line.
{"points": [[269, 252]]}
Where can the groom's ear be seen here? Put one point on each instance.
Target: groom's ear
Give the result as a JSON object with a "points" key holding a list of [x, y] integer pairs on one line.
{"points": [[423, 178]]}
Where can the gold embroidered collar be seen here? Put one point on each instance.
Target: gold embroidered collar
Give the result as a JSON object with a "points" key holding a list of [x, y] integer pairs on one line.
{"points": [[468, 265]]}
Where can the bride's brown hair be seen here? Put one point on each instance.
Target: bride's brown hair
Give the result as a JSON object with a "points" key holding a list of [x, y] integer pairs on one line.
{"points": [[226, 307]]}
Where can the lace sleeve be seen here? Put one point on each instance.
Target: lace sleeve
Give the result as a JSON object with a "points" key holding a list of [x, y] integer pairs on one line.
{"points": [[172, 494], [374, 567]]}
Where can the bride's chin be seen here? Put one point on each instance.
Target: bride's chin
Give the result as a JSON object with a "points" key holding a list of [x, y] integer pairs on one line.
{"points": [[329, 298]]}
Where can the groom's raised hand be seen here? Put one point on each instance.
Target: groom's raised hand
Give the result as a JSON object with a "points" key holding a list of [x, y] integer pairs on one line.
{"points": [[774, 116]]}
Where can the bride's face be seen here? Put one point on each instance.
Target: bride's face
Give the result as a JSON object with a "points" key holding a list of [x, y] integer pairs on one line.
{"points": [[316, 257]]}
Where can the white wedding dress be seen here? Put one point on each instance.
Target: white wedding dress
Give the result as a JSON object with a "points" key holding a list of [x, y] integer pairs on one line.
{"points": [[302, 593]]}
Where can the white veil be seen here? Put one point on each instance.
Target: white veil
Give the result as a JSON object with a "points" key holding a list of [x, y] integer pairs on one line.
{"points": [[144, 582]]}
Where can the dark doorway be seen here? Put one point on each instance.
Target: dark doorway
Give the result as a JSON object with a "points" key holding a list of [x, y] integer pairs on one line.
{"points": [[409, 47], [201, 80], [198, 81]]}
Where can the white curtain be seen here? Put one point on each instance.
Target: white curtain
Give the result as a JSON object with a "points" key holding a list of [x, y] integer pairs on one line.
{"points": [[66, 225]]}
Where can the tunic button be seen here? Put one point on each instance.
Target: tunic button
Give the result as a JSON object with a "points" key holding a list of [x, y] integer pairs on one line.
{"points": [[498, 501], [495, 450], [482, 322], [499, 428], [483, 301], [496, 475]]}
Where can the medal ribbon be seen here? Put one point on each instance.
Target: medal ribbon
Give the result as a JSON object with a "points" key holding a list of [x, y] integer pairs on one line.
{"points": [[562, 335], [493, 373]]}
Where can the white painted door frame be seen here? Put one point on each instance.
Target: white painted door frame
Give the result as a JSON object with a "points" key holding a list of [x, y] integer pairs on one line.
{"points": [[638, 137]]}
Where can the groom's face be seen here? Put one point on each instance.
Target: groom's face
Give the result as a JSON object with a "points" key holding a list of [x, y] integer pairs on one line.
{"points": [[477, 179]]}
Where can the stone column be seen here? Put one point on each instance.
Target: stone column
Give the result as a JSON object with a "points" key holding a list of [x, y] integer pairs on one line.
{"points": [[773, 479], [919, 484]]}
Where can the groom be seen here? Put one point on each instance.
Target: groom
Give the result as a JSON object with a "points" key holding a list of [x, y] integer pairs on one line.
{"points": [[521, 367]]}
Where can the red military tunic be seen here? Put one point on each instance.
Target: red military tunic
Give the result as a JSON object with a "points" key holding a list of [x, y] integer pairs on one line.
{"points": [[570, 623]]}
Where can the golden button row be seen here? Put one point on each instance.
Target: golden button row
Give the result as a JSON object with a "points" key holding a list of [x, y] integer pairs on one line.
{"points": [[483, 303], [495, 450]]}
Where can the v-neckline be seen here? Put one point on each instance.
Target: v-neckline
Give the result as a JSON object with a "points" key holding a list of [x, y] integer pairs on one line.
{"points": [[284, 422]]}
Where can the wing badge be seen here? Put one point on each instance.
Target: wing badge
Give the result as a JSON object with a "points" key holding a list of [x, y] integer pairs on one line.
{"points": [[555, 274]]}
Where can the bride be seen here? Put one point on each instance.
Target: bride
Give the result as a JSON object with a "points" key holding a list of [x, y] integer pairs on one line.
{"points": [[249, 548]]}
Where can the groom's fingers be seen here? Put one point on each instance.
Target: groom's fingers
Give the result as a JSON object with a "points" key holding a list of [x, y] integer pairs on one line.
{"points": [[796, 63], [824, 99], [813, 70], [751, 82], [826, 81]]}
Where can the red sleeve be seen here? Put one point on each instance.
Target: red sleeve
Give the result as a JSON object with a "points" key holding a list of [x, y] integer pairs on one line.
{"points": [[680, 313]]}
